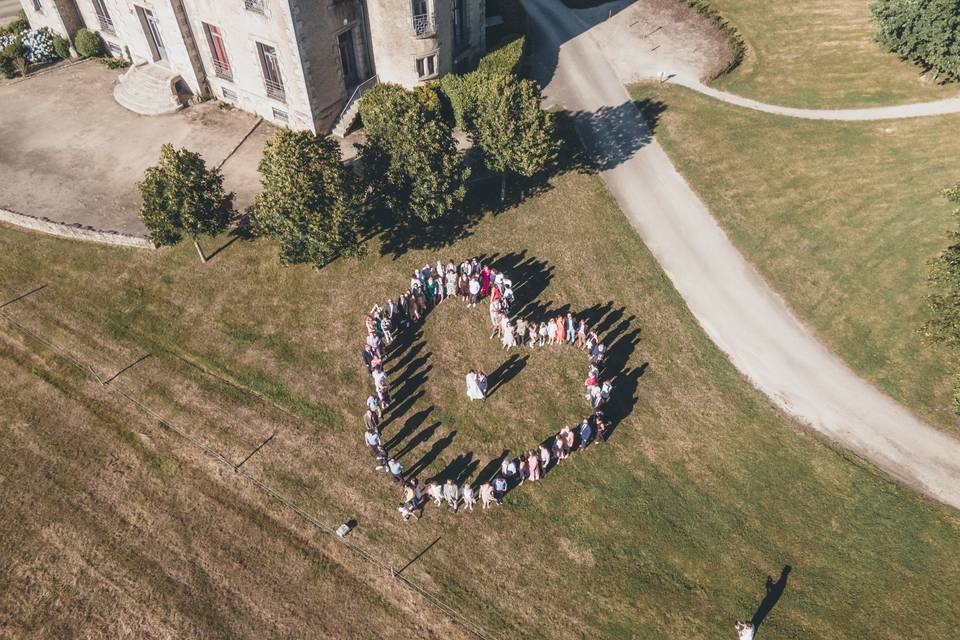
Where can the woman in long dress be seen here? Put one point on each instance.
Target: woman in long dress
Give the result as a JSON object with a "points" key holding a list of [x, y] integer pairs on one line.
{"points": [[533, 463], [507, 330], [451, 282], [473, 389], [561, 330], [484, 282]]}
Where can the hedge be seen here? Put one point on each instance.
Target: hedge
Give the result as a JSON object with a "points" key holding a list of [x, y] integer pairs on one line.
{"points": [[504, 60], [711, 13]]}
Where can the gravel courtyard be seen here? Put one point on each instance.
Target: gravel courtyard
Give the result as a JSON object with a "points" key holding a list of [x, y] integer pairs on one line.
{"points": [[68, 152]]}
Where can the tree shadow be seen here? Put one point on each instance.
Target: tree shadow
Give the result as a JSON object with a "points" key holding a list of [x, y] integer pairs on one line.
{"points": [[615, 134], [399, 236], [774, 590]]}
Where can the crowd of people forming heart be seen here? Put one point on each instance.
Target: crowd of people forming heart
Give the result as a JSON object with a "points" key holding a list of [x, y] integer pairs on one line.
{"points": [[473, 283]]}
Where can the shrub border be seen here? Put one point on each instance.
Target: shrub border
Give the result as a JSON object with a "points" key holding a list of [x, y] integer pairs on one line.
{"points": [[727, 28]]}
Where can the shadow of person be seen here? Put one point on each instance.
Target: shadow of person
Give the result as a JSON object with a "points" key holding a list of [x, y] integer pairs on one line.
{"points": [[431, 455], [486, 474], [506, 372], [461, 468], [774, 591]]}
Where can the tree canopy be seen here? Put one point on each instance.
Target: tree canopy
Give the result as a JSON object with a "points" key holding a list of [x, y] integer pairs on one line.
{"points": [[925, 31], [311, 203], [410, 158], [181, 196], [513, 131]]}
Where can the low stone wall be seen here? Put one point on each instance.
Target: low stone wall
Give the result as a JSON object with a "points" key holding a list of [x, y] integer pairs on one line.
{"points": [[73, 231]]}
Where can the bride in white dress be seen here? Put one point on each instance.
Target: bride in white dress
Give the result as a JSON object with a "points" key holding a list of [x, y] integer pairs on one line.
{"points": [[473, 389]]}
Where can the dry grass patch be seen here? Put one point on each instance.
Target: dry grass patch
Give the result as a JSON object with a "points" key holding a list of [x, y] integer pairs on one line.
{"points": [[702, 491]]}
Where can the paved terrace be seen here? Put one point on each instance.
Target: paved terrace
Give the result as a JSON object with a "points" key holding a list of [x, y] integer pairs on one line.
{"points": [[72, 154]]}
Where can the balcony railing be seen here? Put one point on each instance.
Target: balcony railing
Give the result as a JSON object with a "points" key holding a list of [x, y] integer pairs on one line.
{"points": [[254, 5], [425, 25], [106, 23], [275, 90], [222, 70]]}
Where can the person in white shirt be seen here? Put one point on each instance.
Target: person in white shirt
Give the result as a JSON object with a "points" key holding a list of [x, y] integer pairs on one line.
{"points": [[396, 469], [452, 494], [745, 630], [373, 404], [372, 439], [474, 291]]}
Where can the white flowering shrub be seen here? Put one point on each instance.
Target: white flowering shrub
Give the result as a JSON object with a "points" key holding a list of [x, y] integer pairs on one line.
{"points": [[5, 40], [38, 46]]}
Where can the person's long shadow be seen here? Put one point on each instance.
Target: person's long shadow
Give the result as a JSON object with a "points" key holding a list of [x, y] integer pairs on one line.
{"points": [[774, 591], [490, 470], [409, 426], [506, 372], [460, 468], [422, 436], [396, 411], [431, 455]]}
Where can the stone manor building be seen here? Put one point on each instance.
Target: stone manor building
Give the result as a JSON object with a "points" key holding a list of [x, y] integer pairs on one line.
{"points": [[297, 63]]}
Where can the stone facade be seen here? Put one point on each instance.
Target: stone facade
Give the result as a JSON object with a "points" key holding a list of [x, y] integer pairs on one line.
{"points": [[294, 62]]}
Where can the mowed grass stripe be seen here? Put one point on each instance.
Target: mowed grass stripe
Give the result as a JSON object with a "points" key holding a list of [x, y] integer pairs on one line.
{"points": [[841, 218], [820, 54]]}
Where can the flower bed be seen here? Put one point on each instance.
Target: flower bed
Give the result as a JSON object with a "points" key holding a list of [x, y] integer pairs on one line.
{"points": [[35, 46]]}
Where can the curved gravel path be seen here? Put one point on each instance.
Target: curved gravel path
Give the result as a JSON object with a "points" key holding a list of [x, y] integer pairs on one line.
{"points": [[913, 110], [733, 304]]}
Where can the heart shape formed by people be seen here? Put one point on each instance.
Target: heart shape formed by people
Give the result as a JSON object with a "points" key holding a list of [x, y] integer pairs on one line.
{"points": [[391, 330]]}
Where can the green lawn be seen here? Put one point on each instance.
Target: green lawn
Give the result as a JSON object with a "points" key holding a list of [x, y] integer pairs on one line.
{"points": [[672, 527], [841, 218], [819, 54]]}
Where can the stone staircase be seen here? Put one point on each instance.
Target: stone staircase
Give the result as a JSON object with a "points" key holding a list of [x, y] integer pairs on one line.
{"points": [[148, 89], [352, 109]]}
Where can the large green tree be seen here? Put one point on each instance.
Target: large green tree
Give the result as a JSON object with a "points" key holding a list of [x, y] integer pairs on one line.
{"points": [[514, 133], [410, 158], [181, 196], [943, 299], [311, 203], [944, 280], [925, 31]]}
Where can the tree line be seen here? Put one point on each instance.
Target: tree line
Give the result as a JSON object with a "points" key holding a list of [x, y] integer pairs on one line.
{"points": [[943, 296], [410, 171]]}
